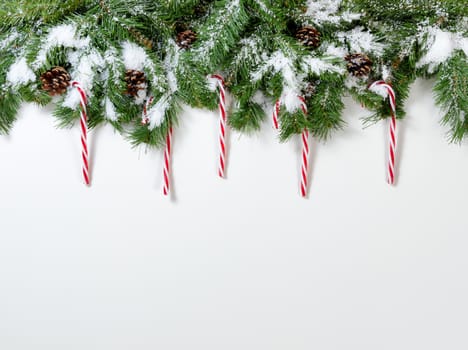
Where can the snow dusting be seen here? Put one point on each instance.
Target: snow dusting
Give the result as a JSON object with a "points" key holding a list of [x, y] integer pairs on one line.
{"points": [[157, 113], [63, 35], [264, 8], [318, 66], [290, 99], [86, 67], [20, 73], [111, 113], [260, 99], [250, 51], [360, 40], [231, 10], [354, 83], [328, 11], [140, 98], [134, 56], [112, 63], [332, 50], [279, 63], [170, 64], [440, 47], [386, 73], [8, 40]]}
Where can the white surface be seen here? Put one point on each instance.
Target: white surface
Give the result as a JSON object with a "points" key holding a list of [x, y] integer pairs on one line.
{"points": [[243, 263]]}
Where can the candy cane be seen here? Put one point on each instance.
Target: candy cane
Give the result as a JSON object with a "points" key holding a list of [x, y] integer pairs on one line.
{"points": [[392, 129], [305, 145], [167, 151], [305, 154], [167, 162], [222, 125], [276, 111], [84, 131]]}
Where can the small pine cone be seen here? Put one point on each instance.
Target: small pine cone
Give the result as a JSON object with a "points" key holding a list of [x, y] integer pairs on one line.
{"points": [[359, 64], [309, 90], [136, 81], [186, 38], [141, 38], [309, 37], [55, 81]]}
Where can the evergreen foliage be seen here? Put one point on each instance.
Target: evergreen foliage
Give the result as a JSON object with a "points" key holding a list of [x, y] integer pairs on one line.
{"points": [[254, 44]]}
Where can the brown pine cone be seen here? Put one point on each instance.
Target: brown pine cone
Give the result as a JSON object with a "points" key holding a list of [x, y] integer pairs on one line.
{"points": [[186, 38], [309, 37], [136, 81], [359, 64], [55, 81], [309, 90]]}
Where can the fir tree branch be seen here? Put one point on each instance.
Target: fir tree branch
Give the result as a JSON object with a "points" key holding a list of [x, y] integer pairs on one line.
{"points": [[451, 93]]}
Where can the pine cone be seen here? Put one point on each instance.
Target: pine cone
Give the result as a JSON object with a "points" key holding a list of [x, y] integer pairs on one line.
{"points": [[141, 38], [186, 38], [136, 81], [309, 90], [309, 37], [359, 64], [55, 81]]}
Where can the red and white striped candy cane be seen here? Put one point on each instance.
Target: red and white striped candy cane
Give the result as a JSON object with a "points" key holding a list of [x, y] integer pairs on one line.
{"points": [[167, 162], [167, 151], [222, 125], [144, 118], [84, 131], [305, 146], [276, 111], [305, 154], [392, 129]]}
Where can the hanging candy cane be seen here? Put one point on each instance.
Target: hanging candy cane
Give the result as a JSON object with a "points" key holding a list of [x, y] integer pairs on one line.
{"points": [[305, 145], [84, 130], [305, 154], [388, 90], [167, 151], [276, 111], [222, 124], [167, 162]]}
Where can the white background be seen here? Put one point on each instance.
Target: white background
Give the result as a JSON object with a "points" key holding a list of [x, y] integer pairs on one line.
{"points": [[243, 263]]}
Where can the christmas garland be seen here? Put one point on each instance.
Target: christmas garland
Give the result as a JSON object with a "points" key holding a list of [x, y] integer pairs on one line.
{"points": [[134, 63]]}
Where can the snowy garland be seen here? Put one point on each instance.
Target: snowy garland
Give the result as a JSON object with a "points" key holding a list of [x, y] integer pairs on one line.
{"points": [[140, 61]]}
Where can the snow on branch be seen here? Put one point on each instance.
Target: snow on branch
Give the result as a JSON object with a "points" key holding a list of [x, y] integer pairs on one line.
{"points": [[279, 63], [20, 73], [64, 35], [361, 40], [328, 11], [317, 66], [440, 46]]}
